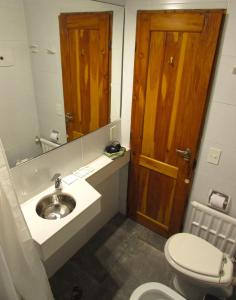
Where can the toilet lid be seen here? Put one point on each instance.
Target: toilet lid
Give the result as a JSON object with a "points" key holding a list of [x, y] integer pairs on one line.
{"points": [[195, 254]]}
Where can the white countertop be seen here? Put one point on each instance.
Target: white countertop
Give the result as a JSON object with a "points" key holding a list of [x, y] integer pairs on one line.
{"points": [[50, 235]]}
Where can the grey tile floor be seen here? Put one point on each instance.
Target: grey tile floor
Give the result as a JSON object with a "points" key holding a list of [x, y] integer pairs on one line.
{"points": [[120, 257]]}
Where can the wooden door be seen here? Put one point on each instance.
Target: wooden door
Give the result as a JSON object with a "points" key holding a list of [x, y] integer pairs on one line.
{"points": [[86, 59], [175, 52]]}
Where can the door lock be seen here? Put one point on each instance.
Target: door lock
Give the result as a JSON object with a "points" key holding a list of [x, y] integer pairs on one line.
{"points": [[186, 154], [69, 117]]}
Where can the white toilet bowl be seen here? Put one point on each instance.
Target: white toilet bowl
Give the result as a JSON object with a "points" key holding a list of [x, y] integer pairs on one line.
{"points": [[155, 291], [200, 268]]}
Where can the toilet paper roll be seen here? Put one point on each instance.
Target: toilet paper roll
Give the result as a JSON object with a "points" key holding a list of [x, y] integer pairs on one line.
{"points": [[217, 201], [54, 136]]}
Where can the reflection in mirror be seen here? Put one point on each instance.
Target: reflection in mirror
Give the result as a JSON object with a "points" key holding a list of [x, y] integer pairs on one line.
{"points": [[61, 74], [85, 51]]}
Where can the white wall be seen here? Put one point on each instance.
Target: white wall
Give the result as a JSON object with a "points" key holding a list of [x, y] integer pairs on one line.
{"points": [[220, 125], [220, 128], [43, 31], [18, 117], [34, 176]]}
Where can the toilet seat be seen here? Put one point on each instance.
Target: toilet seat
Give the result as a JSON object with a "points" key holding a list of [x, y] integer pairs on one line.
{"points": [[195, 254], [155, 290], [196, 258]]}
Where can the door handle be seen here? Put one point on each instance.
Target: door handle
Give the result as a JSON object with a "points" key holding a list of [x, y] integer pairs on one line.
{"points": [[186, 154], [69, 117]]}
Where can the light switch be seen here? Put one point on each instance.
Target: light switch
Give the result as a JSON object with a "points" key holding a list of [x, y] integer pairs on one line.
{"points": [[59, 110], [214, 156]]}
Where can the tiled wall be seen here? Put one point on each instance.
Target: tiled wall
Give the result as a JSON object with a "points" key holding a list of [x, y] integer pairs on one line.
{"points": [[18, 117], [220, 125], [43, 32], [220, 129], [34, 176]]}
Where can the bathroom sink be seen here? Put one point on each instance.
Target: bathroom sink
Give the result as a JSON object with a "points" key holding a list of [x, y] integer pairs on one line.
{"points": [[55, 206]]}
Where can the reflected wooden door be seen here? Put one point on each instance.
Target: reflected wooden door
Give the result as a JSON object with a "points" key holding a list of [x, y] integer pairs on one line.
{"points": [[85, 52], [175, 52]]}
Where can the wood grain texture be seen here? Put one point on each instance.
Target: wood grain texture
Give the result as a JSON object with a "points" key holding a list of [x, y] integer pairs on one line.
{"points": [[86, 70], [158, 166], [174, 59], [171, 21], [155, 69]]}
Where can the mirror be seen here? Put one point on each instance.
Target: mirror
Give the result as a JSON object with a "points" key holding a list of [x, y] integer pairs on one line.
{"points": [[60, 75]]}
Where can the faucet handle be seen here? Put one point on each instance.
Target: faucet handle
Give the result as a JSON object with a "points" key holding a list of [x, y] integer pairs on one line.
{"points": [[57, 179], [56, 176], [58, 182]]}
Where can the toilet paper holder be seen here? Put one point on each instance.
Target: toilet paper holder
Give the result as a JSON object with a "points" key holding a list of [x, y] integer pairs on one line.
{"points": [[218, 201], [54, 136]]}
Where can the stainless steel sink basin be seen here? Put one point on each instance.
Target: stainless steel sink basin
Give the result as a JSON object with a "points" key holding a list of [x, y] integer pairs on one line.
{"points": [[55, 206]]}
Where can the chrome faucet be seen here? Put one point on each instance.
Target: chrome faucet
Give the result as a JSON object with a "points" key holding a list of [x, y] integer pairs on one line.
{"points": [[58, 182]]}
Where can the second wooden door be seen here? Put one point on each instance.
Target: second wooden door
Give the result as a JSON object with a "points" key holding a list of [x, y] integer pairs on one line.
{"points": [[86, 59]]}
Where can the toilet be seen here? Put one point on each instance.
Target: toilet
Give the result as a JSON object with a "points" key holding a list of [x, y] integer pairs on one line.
{"points": [[155, 291], [199, 267]]}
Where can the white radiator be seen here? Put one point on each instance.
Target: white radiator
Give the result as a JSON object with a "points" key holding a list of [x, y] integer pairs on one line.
{"points": [[215, 227], [47, 145]]}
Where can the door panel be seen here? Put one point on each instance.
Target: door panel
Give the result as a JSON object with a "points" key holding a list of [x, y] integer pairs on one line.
{"points": [[85, 50], [174, 59], [157, 197], [177, 21]]}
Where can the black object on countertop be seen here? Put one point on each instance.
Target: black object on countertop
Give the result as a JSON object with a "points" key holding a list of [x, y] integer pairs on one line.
{"points": [[113, 148]]}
